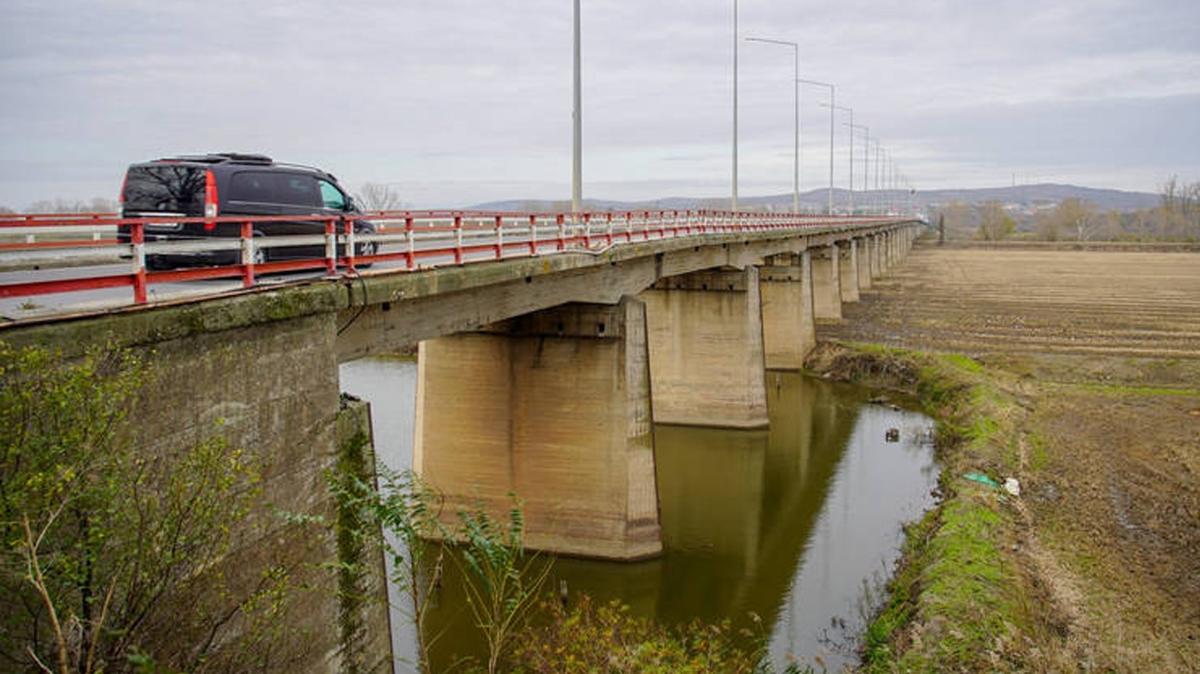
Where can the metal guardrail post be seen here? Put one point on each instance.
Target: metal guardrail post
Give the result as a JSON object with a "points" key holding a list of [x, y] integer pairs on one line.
{"points": [[458, 251], [561, 221], [533, 242], [331, 247], [499, 237], [348, 228], [137, 240], [410, 260], [247, 234]]}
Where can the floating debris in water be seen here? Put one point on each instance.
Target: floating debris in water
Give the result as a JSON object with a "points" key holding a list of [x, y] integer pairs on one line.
{"points": [[892, 435]]}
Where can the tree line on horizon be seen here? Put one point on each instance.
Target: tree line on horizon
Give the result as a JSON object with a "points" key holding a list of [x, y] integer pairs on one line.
{"points": [[1175, 218]]}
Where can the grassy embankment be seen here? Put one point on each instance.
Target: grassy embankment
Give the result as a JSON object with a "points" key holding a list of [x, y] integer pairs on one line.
{"points": [[962, 598]]}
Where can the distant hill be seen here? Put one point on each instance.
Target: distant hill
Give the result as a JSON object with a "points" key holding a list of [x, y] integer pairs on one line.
{"points": [[1025, 197]]}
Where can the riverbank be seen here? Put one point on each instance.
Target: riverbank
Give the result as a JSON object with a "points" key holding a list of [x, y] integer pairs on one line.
{"points": [[1093, 565]]}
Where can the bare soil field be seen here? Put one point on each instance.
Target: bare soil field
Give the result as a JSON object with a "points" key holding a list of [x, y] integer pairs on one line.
{"points": [[1076, 302], [1102, 352]]}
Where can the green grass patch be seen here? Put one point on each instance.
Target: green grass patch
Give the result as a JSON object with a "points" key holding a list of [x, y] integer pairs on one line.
{"points": [[958, 601], [1126, 390]]}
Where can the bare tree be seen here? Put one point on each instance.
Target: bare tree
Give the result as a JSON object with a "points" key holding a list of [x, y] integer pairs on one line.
{"points": [[1047, 226], [379, 197], [95, 205], [958, 219], [1077, 217], [995, 222]]}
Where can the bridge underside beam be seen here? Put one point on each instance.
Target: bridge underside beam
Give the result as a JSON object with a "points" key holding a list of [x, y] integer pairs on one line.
{"points": [[391, 312], [706, 349], [553, 406]]}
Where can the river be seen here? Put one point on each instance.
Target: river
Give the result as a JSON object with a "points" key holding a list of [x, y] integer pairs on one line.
{"points": [[799, 525]]}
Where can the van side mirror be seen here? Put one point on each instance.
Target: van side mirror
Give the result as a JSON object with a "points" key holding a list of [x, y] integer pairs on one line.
{"points": [[351, 205]]}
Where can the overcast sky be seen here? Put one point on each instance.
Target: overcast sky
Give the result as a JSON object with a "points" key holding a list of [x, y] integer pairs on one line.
{"points": [[461, 101]]}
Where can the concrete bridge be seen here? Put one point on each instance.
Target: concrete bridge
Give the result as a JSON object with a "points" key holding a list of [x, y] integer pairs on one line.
{"points": [[539, 374]]}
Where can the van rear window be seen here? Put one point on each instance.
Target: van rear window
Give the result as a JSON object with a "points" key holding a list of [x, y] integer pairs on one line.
{"points": [[165, 189]]}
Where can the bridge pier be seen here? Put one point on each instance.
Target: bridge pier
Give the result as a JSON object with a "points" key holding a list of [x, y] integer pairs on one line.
{"points": [[827, 286], [849, 268], [789, 331], [885, 253], [555, 407], [706, 349], [866, 263]]}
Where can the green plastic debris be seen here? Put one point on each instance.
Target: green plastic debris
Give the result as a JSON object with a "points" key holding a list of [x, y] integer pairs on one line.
{"points": [[982, 479]]}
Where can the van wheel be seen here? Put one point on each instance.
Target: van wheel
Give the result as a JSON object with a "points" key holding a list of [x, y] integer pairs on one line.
{"points": [[260, 255]]}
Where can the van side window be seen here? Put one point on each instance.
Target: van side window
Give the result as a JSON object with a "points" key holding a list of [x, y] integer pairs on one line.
{"points": [[332, 196], [298, 190], [253, 186]]}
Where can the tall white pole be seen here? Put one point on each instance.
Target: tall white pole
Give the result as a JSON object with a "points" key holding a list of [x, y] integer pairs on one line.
{"points": [[577, 131], [734, 201], [850, 196], [877, 163], [866, 171], [832, 105], [796, 100], [796, 149]]}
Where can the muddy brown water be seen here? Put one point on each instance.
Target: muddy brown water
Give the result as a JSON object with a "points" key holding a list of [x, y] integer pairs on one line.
{"points": [[799, 525]]}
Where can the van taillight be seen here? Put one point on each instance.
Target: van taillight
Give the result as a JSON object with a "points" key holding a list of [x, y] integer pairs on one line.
{"points": [[210, 197]]}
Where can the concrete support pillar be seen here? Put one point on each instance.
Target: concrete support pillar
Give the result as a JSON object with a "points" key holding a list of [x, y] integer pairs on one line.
{"points": [[789, 331], [849, 266], [827, 285], [877, 259], [553, 406], [866, 263], [706, 349]]}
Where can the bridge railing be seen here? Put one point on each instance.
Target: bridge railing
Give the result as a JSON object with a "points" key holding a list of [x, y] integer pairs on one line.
{"points": [[234, 247]]}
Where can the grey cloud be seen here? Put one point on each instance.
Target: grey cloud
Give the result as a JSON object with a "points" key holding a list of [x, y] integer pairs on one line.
{"points": [[455, 92]]}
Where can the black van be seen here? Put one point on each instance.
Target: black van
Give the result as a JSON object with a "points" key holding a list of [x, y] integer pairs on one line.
{"points": [[225, 184]]}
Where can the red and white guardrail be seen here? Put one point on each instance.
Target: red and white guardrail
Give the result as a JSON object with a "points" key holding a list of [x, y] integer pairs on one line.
{"points": [[417, 239]]}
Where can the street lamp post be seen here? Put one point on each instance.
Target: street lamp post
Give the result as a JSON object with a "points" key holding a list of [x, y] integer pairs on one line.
{"points": [[866, 154], [796, 98], [832, 99], [577, 123], [850, 195], [734, 200], [879, 151]]}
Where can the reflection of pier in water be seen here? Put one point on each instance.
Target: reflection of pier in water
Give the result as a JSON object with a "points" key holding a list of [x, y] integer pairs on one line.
{"points": [[737, 509]]}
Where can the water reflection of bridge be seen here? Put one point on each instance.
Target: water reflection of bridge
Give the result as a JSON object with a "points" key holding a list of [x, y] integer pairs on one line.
{"points": [[738, 511]]}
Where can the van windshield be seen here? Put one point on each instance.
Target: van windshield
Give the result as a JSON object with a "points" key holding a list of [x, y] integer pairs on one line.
{"points": [[165, 189]]}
